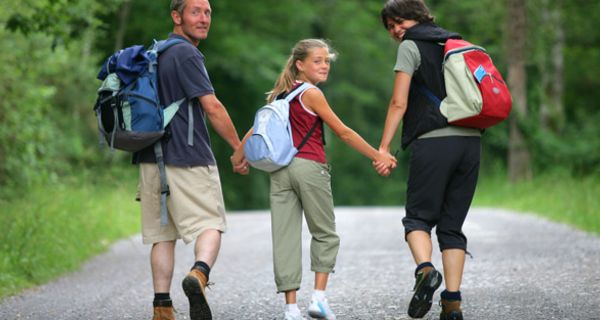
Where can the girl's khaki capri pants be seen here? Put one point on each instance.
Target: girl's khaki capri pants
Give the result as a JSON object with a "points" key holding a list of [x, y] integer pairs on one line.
{"points": [[304, 185]]}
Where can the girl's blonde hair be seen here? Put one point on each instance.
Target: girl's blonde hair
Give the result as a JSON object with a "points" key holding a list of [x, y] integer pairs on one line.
{"points": [[289, 74]]}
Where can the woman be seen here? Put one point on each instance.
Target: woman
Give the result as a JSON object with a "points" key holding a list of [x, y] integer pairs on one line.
{"points": [[444, 160], [305, 185]]}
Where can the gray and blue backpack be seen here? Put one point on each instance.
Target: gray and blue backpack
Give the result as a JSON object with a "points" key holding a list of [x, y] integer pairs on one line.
{"points": [[130, 115]]}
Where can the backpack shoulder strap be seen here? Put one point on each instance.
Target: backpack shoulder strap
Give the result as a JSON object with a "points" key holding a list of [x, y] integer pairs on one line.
{"points": [[309, 133], [428, 93], [161, 46], [303, 87]]}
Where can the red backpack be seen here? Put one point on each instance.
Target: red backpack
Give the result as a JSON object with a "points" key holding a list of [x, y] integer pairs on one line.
{"points": [[491, 102], [476, 94]]}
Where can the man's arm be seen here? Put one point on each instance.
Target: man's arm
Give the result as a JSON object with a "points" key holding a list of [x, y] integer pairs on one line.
{"points": [[220, 120]]}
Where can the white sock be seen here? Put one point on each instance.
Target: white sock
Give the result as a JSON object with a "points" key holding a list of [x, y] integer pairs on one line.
{"points": [[319, 295], [292, 308]]}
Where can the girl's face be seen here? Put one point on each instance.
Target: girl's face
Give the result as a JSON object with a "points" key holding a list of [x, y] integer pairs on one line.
{"points": [[315, 67], [397, 27]]}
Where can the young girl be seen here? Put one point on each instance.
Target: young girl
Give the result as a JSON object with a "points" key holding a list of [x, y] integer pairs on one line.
{"points": [[305, 185], [444, 161]]}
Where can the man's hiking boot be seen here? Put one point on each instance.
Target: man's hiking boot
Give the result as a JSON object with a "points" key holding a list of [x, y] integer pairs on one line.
{"points": [[450, 310], [427, 281], [163, 310], [193, 286]]}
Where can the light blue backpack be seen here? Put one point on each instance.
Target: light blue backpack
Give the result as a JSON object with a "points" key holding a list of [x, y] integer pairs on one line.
{"points": [[271, 146]]}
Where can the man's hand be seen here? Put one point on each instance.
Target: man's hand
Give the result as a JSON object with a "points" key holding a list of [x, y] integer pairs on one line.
{"points": [[239, 162]]}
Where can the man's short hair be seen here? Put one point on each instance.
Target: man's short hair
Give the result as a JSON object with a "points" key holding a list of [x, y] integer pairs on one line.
{"points": [[178, 5]]}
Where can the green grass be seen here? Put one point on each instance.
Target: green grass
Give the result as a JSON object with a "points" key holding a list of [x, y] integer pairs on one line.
{"points": [[557, 196], [51, 229]]}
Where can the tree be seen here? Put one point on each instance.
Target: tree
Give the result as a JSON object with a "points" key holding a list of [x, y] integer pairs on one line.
{"points": [[519, 159], [550, 61], [46, 89]]}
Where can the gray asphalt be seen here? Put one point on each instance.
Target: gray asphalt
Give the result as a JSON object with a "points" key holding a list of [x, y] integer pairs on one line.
{"points": [[523, 267]]}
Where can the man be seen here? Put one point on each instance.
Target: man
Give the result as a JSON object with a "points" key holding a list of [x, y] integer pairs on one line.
{"points": [[195, 204]]}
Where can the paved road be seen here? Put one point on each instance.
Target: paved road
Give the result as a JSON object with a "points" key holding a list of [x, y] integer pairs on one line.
{"points": [[523, 268]]}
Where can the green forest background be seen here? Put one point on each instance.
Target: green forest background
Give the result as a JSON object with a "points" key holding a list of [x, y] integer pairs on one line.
{"points": [[63, 198]]}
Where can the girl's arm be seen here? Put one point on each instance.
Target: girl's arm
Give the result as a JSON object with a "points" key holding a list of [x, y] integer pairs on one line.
{"points": [[314, 100]]}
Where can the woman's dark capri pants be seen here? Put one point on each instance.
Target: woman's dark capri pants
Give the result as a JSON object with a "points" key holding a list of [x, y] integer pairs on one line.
{"points": [[443, 173]]}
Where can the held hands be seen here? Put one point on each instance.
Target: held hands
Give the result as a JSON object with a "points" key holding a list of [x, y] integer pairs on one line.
{"points": [[239, 163], [385, 163]]}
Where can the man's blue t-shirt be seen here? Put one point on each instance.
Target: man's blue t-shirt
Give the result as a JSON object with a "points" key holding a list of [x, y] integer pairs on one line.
{"points": [[181, 74]]}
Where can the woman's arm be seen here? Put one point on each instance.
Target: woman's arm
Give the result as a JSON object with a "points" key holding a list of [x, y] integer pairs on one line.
{"points": [[396, 109]]}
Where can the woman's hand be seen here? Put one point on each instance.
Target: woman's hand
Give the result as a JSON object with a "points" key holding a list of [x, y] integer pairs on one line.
{"points": [[385, 163]]}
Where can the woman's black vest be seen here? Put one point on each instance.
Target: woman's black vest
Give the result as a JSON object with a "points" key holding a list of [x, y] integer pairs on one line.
{"points": [[423, 115]]}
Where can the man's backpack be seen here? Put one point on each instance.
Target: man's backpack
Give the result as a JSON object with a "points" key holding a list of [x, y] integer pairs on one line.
{"points": [[130, 115], [476, 94], [271, 145]]}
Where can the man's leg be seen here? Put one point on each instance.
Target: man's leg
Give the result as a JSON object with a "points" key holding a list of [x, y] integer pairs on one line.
{"points": [[162, 261], [206, 250], [207, 246]]}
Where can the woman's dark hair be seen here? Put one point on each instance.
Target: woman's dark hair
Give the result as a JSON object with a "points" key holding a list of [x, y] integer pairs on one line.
{"points": [[405, 10]]}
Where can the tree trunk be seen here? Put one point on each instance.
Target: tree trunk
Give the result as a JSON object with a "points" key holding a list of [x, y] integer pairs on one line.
{"points": [[552, 69], [123, 16], [558, 62], [519, 159]]}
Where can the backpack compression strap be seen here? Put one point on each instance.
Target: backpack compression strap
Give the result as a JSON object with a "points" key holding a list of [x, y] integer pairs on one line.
{"points": [[164, 187]]}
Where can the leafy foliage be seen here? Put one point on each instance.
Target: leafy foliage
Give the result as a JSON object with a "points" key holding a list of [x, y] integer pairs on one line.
{"points": [[52, 49]]}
